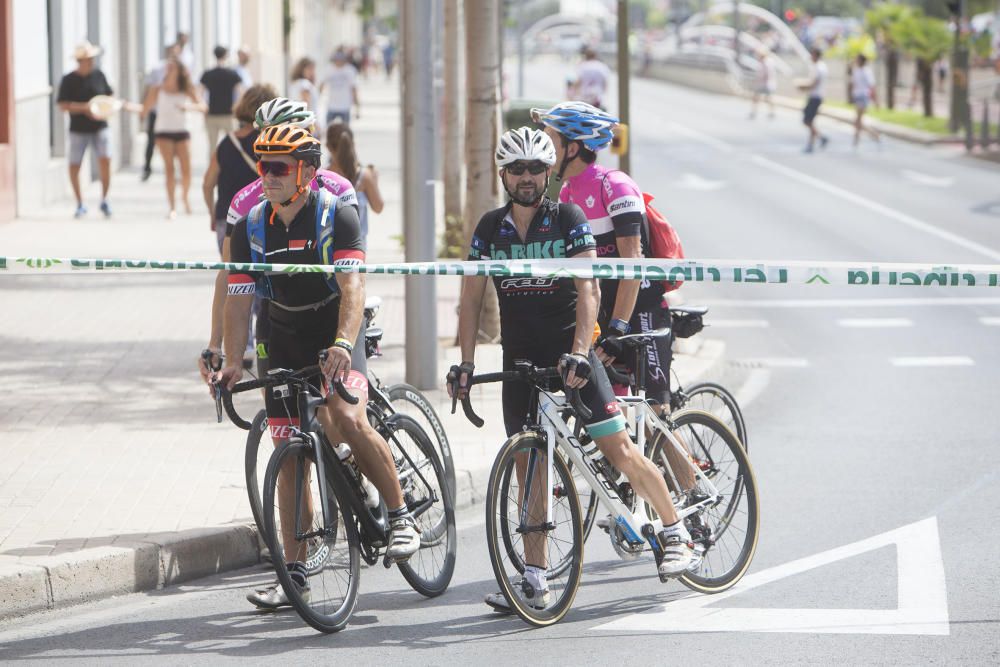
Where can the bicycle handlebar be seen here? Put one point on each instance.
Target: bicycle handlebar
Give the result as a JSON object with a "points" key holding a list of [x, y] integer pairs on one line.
{"points": [[524, 373], [617, 377]]}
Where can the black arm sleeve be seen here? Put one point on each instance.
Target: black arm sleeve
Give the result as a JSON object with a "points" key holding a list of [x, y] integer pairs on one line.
{"points": [[627, 224]]}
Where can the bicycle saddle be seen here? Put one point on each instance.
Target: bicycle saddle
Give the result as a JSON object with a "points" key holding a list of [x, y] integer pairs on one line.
{"points": [[644, 338], [689, 310]]}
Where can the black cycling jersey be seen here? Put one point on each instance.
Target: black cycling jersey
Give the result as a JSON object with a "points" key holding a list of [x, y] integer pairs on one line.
{"points": [[534, 308], [294, 293]]}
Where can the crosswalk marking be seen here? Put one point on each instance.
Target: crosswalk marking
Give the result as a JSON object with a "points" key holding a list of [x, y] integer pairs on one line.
{"points": [[776, 362], [739, 324], [875, 322], [927, 362]]}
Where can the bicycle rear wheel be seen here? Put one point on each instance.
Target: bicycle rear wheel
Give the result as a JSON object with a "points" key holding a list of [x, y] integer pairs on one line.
{"points": [[726, 530], [428, 498], [297, 531], [716, 400], [516, 506], [410, 401]]}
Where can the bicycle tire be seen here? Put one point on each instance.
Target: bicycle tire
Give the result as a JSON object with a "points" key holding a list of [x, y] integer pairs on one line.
{"points": [[429, 571], [724, 461], [342, 548], [566, 520], [255, 472], [411, 401], [715, 399]]}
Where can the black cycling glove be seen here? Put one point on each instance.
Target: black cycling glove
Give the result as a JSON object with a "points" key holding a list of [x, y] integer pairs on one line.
{"points": [[454, 377], [574, 362], [611, 346]]}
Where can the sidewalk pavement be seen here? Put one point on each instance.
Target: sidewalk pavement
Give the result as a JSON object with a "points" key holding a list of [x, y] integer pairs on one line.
{"points": [[115, 476]]}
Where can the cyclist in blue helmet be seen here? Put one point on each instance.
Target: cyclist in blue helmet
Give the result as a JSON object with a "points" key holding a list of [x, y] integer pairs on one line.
{"points": [[616, 210]]}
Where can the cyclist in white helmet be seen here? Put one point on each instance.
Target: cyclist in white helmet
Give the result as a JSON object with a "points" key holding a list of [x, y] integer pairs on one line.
{"points": [[550, 322], [277, 111]]}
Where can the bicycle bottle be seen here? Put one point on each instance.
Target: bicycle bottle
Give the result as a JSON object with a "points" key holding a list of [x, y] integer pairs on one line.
{"points": [[345, 454]]}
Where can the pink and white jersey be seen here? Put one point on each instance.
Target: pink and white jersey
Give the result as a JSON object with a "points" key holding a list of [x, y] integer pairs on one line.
{"points": [[615, 208], [606, 196], [252, 194]]}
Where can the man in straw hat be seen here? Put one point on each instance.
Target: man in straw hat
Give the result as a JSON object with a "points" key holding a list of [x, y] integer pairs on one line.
{"points": [[75, 92]]}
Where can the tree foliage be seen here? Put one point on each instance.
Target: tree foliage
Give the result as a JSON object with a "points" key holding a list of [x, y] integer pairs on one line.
{"points": [[922, 37]]}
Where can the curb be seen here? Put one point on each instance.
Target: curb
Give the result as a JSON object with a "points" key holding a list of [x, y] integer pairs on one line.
{"points": [[165, 559]]}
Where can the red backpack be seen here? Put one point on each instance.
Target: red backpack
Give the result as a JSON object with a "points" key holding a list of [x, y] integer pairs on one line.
{"points": [[663, 240]]}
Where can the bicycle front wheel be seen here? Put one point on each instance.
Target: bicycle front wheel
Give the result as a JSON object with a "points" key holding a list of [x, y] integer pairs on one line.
{"points": [[255, 462], [716, 400], [519, 529], [410, 401], [727, 529], [426, 492], [324, 540]]}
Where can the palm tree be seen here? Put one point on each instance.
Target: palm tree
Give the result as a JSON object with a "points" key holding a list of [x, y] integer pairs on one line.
{"points": [[482, 58]]}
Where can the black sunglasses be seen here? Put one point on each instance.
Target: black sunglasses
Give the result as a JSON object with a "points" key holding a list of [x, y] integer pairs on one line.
{"points": [[534, 168], [277, 168]]}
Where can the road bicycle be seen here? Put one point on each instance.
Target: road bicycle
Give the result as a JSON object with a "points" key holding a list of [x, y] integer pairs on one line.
{"points": [[532, 501], [389, 400], [332, 523], [710, 397]]}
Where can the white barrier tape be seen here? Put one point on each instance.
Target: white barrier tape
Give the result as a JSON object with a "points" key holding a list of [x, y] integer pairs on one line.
{"points": [[686, 270]]}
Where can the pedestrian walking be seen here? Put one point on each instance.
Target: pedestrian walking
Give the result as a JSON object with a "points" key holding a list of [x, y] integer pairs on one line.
{"points": [[186, 55], [341, 89], [233, 165], [862, 94], [592, 79], [815, 86], [222, 87], [389, 57], [303, 85], [243, 66], [154, 78], [75, 92], [344, 161], [172, 100], [766, 82]]}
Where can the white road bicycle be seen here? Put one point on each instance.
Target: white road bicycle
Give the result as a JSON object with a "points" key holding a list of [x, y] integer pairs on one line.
{"points": [[532, 503]]}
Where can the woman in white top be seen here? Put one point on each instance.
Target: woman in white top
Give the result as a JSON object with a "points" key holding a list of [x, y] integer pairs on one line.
{"points": [[862, 94], [303, 85], [172, 98]]}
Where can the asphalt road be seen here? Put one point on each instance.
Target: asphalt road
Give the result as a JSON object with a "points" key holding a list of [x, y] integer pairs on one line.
{"points": [[873, 431]]}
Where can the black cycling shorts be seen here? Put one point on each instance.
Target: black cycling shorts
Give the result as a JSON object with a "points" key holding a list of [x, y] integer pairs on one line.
{"points": [[293, 349], [659, 355], [597, 395]]}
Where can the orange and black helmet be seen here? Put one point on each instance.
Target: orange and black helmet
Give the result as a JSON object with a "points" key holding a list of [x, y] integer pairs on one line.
{"points": [[287, 139]]}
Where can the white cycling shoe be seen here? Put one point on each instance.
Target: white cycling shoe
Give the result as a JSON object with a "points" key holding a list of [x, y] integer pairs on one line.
{"points": [[273, 596], [404, 539], [678, 557], [533, 588]]}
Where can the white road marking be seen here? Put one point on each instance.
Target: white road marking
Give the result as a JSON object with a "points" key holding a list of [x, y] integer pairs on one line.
{"points": [[876, 207], [927, 179], [691, 181], [990, 321], [874, 322], [922, 595], [930, 362], [739, 324], [707, 139], [776, 362], [851, 303]]}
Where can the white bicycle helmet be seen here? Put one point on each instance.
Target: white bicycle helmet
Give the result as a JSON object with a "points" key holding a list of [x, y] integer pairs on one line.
{"points": [[283, 111], [526, 144]]}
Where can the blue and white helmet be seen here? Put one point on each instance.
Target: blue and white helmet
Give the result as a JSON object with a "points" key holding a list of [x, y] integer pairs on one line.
{"points": [[579, 121], [525, 143]]}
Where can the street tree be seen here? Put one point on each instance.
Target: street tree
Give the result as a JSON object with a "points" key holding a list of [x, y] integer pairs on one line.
{"points": [[925, 39], [879, 21], [482, 125]]}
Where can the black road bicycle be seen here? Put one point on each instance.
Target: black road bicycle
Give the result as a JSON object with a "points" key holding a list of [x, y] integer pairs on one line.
{"points": [[331, 524], [401, 397]]}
